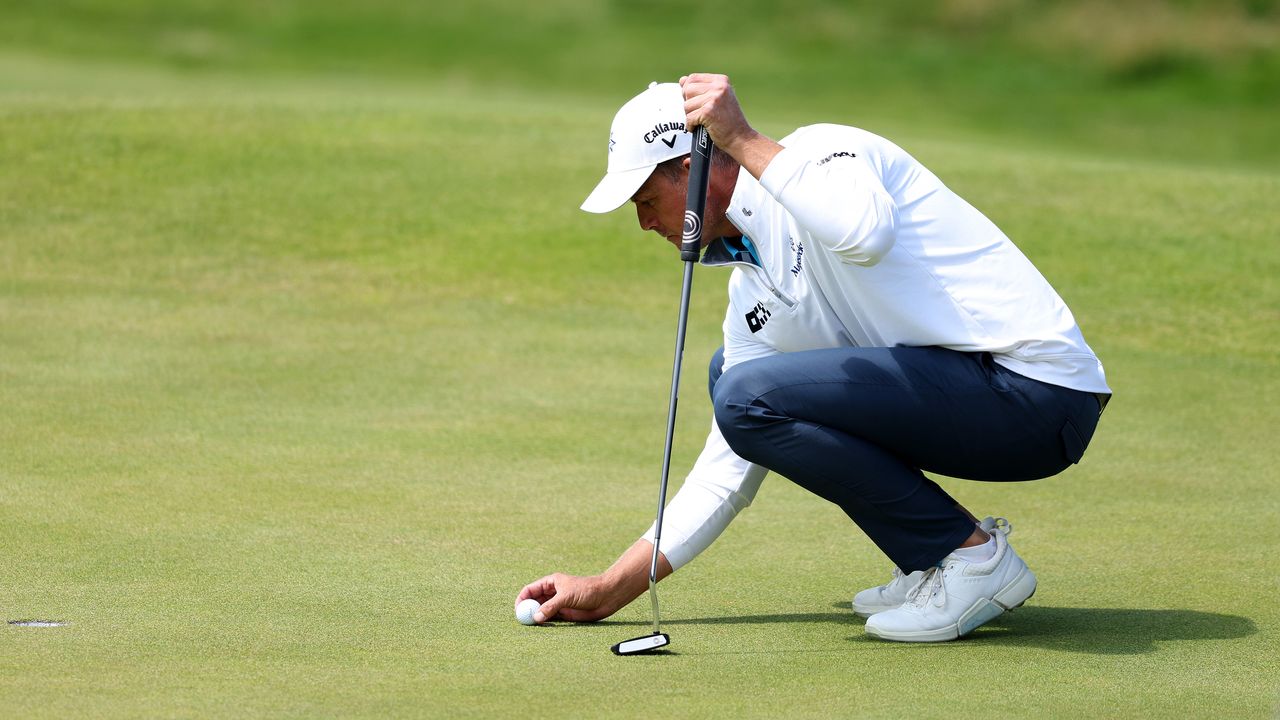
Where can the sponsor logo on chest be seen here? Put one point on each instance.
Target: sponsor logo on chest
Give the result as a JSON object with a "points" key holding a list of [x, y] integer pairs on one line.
{"points": [[757, 318]]}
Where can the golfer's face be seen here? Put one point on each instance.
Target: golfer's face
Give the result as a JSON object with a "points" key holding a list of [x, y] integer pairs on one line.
{"points": [[660, 206]]}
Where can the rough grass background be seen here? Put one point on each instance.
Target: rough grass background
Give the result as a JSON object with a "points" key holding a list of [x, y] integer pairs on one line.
{"points": [[308, 362]]}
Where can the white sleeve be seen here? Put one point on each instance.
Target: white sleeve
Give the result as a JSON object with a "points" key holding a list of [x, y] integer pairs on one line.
{"points": [[838, 199], [720, 486]]}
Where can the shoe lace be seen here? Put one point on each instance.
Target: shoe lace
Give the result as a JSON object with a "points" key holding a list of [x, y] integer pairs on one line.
{"points": [[932, 587], [898, 575], [900, 578]]}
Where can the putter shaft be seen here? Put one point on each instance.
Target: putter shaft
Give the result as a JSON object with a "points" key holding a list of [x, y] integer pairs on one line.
{"points": [[685, 292]]}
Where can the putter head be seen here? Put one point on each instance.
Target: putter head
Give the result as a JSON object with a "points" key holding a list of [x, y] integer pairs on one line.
{"points": [[643, 644]]}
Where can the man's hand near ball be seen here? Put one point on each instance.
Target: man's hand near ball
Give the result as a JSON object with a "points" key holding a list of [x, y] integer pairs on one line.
{"points": [[586, 599]]}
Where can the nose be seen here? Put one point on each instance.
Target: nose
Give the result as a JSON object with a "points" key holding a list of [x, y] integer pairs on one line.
{"points": [[646, 217]]}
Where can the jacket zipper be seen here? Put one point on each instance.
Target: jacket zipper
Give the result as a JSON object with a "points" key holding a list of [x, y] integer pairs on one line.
{"points": [[764, 277]]}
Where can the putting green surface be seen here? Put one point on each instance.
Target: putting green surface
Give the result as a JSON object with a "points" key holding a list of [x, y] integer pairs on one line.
{"points": [[303, 376]]}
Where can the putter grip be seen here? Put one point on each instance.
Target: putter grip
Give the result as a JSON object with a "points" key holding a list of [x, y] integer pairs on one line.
{"points": [[696, 205]]}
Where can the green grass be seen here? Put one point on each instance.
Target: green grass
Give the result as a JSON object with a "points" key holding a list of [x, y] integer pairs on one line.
{"points": [[1177, 79], [303, 374]]}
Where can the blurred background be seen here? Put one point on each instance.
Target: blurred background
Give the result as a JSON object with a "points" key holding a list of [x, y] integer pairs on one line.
{"points": [[308, 360], [1194, 80]]}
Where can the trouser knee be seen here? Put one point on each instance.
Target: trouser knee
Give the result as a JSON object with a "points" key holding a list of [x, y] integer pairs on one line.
{"points": [[739, 413], [714, 370]]}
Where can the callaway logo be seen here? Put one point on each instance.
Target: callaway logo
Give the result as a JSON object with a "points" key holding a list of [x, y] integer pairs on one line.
{"points": [[757, 318], [612, 142], [659, 129], [799, 248], [835, 155]]}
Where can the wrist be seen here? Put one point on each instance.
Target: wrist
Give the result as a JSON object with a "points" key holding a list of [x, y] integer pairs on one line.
{"points": [[621, 584], [736, 143], [753, 151]]}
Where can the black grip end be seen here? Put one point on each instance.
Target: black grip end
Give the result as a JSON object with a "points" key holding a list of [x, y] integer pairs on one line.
{"points": [[695, 207]]}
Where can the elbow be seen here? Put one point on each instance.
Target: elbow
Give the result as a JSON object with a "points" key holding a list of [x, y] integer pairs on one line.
{"points": [[870, 250], [869, 241], [866, 248], [738, 501]]}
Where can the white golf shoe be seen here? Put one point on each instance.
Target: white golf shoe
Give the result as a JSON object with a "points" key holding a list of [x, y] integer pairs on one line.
{"points": [[956, 597], [892, 594]]}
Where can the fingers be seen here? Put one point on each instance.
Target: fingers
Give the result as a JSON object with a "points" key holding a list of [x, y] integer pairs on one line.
{"points": [[581, 616], [550, 609], [566, 597], [702, 78], [709, 101], [541, 590], [548, 592], [702, 92]]}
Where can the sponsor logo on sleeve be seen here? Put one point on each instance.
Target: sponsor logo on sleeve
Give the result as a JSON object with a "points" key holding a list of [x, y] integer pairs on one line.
{"points": [[757, 318], [834, 155]]}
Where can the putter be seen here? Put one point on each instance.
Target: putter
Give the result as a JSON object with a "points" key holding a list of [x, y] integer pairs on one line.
{"points": [[690, 250]]}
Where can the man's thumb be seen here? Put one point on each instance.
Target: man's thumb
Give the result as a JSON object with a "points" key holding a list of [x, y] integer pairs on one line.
{"points": [[548, 609]]}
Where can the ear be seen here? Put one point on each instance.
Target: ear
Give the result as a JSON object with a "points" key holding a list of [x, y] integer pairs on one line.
{"points": [[686, 162]]}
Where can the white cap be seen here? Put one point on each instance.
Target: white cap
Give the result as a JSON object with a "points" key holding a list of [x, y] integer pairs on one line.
{"points": [[648, 130]]}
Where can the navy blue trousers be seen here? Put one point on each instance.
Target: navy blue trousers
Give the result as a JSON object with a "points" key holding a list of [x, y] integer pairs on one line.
{"points": [[857, 426]]}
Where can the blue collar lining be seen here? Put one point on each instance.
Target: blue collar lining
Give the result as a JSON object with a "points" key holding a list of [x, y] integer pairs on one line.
{"points": [[743, 250]]}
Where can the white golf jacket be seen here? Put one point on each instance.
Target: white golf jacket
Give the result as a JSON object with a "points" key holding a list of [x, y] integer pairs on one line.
{"points": [[856, 244]]}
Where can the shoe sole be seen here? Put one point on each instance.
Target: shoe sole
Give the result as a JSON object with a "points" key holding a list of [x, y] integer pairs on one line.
{"points": [[1010, 597]]}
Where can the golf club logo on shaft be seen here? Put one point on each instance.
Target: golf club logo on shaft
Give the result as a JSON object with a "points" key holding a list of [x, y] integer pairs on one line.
{"points": [[692, 226]]}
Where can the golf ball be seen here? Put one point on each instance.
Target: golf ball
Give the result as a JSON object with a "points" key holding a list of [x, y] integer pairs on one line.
{"points": [[526, 609]]}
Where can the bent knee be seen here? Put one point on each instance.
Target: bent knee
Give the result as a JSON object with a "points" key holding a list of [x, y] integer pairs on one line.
{"points": [[736, 402], [714, 370]]}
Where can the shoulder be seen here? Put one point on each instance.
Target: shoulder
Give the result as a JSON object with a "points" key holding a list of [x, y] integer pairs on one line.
{"points": [[827, 139], [844, 149]]}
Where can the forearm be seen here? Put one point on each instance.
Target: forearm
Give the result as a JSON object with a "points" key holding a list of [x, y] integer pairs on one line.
{"points": [[752, 150], [628, 577], [710, 102]]}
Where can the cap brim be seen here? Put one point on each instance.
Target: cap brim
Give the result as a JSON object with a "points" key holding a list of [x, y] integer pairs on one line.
{"points": [[615, 189]]}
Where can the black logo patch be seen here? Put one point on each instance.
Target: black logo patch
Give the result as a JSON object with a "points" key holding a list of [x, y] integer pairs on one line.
{"points": [[835, 155], [669, 143], [757, 318]]}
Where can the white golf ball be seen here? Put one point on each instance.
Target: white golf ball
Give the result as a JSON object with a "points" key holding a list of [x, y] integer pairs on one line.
{"points": [[526, 609]]}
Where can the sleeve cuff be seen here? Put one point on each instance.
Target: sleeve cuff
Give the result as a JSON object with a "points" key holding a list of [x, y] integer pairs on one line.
{"points": [[782, 168]]}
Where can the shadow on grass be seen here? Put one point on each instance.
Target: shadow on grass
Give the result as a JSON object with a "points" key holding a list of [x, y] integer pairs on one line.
{"points": [[1104, 631], [1096, 631], [834, 618], [1110, 631]]}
